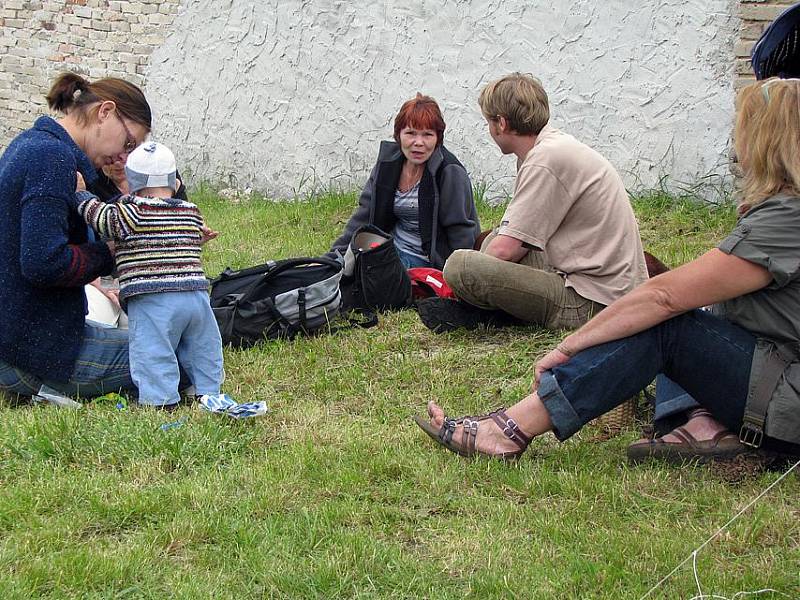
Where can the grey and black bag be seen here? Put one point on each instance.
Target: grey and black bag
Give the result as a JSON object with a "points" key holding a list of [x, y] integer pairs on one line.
{"points": [[279, 299]]}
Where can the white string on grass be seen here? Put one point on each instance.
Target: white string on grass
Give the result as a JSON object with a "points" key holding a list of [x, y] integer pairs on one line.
{"points": [[702, 596], [693, 555]]}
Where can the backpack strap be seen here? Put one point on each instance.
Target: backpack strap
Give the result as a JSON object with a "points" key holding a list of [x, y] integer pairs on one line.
{"points": [[760, 393], [357, 317], [370, 318], [301, 306]]}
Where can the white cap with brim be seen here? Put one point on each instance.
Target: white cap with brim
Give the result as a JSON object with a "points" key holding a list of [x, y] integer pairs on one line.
{"points": [[151, 165]]}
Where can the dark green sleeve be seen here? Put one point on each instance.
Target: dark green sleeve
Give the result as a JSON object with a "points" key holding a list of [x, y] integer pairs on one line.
{"points": [[769, 235]]}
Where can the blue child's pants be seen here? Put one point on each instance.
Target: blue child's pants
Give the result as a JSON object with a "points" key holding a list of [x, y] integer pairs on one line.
{"points": [[168, 328]]}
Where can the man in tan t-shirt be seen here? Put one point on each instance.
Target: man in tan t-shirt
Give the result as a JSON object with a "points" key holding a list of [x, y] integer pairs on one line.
{"points": [[568, 244]]}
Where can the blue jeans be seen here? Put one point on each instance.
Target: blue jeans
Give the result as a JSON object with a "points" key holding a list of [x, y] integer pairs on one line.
{"points": [[167, 328], [102, 366], [707, 356], [411, 261], [671, 399]]}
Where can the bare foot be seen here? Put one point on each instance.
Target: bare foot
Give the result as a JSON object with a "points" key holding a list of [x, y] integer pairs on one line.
{"points": [[490, 439]]}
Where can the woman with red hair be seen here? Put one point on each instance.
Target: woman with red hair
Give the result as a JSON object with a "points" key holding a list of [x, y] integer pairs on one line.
{"points": [[417, 191]]}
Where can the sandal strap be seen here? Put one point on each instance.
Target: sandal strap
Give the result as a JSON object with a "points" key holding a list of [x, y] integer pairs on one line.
{"points": [[684, 436], [447, 430], [469, 433], [700, 412], [510, 428], [721, 435], [469, 430]]}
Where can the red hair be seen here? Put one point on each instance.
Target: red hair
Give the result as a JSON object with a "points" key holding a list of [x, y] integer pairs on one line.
{"points": [[420, 112]]}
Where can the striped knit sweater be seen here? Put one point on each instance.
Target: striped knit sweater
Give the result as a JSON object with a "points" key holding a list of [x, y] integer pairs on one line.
{"points": [[157, 242]]}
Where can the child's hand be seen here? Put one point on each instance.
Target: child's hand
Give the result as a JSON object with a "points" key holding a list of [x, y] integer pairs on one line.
{"points": [[81, 186], [207, 234], [111, 293]]}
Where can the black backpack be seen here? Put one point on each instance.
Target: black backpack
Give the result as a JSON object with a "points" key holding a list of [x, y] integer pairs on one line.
{"points": [[374, 278], [279, 299]]}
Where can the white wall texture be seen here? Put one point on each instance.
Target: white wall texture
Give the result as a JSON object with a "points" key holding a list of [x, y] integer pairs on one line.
{"points": [[295, 94]]}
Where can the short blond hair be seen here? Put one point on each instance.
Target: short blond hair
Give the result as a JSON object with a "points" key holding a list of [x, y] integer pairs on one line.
{"points": [[767, 139], [521, 99]]}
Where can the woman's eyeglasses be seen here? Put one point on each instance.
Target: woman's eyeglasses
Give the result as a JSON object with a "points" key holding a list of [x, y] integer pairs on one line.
{"points": [[130, 141]]}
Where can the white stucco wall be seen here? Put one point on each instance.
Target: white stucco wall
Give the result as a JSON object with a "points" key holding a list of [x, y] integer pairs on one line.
{"points": [[279, 94]]}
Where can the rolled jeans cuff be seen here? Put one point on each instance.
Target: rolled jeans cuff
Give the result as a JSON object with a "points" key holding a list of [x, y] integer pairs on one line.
{"points": [[563, 417], [673, 406]]}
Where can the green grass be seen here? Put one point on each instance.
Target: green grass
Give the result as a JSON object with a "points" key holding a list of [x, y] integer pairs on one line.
{"points": [[336, 494]]}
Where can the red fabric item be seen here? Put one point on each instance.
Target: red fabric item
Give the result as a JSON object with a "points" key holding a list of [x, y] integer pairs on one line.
{"points": [[426, 283]]}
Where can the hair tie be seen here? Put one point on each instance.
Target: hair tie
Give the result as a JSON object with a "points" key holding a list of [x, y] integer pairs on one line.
{"points": [[76, 94]]}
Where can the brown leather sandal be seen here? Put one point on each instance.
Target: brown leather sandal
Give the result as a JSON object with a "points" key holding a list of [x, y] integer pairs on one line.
{"points": [[469, 433], [725, 445]]}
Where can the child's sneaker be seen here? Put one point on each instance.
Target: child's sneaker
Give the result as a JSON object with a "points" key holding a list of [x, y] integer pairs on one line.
{"points": [[248, 409], [218, 403], [224, 404]]}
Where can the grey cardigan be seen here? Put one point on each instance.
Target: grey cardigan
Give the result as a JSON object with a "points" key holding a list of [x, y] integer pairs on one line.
{"points": [[447, 216]]}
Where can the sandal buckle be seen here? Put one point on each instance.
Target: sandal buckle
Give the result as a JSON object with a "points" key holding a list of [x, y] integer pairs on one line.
{"points": [[447, 429], [511, 428]]}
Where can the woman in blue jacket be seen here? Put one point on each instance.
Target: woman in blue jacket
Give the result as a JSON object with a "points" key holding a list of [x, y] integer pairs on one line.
{"points": [[45, 258], [418, 191]]}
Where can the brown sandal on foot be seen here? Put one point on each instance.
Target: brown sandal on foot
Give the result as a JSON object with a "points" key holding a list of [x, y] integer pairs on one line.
{"points": [[723, 446], [469, 433]]}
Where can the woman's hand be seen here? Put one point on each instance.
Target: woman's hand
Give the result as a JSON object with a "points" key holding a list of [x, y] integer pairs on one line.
{"points": [[81, 186], [550, 360]]}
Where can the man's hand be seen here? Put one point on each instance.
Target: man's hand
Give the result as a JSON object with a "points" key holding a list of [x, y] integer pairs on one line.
{"points": [[81, 186]]}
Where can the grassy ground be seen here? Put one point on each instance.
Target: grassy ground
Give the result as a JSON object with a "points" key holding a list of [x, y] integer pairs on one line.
{"points": [[336, 494]]}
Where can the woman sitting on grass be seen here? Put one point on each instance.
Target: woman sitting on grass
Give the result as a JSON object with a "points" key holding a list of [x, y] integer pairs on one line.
{"points": [[417, 191], [740, 361], [45, 256]]}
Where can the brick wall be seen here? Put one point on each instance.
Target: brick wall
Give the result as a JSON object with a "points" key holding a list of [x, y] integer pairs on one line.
{"points": [[97, 38], [756, 15], [39, 38]]}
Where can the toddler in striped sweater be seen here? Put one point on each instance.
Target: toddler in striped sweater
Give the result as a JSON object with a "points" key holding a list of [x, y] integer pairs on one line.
{"points": [[161, 281]]}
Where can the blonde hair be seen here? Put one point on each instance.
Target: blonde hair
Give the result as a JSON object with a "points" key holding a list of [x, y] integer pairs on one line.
{"points": [[521, 99], [767, 139]]}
